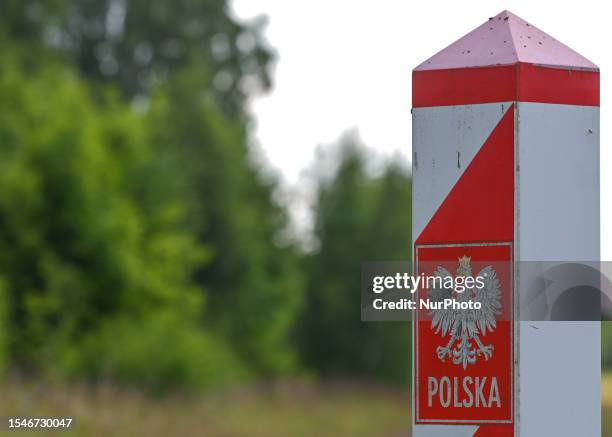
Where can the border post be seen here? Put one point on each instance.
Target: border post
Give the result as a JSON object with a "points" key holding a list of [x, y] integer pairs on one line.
{"points": [[506, 168]]}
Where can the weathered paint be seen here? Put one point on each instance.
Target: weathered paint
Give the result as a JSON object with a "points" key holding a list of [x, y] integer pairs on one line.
{"points": [[558, 154], [520, 82], [506, 40], [558, 215], [464, 205], [445, 140], [554, 204]]}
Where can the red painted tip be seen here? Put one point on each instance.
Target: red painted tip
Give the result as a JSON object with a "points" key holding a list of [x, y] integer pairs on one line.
{"points": [[506, 39]]}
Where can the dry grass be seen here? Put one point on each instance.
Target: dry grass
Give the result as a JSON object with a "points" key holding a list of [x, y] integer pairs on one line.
{"points": [[606, 405], [280, 409]]}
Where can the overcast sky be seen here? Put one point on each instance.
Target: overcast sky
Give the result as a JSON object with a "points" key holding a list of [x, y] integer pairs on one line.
{"points": [[346, 65]]}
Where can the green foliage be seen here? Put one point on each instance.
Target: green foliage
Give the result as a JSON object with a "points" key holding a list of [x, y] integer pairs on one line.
{"points": [[137, 43], [140, 246], [138, 241], [159, 351], [254, 280], [76, 245], [358, 218]]}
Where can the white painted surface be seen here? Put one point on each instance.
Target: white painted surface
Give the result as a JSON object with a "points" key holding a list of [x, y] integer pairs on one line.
{"points": [[559, 379], [559, 182], [558, 198], [438, 134]]}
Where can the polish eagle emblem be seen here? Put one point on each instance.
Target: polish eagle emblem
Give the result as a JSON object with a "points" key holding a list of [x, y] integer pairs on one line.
{"points": [[466, 326]]}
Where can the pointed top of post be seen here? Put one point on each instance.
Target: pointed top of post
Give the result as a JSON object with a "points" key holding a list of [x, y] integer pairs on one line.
{"points": [[505, 40]]}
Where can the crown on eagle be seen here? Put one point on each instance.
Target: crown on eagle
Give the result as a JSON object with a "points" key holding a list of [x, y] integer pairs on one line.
{"points": [[464, 261]]}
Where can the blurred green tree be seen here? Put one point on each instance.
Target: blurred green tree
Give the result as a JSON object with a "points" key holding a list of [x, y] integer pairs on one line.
{"points": [[144, 218], [253, 282], [358, 218], [137, 43], [80, 246], [153, 226]]}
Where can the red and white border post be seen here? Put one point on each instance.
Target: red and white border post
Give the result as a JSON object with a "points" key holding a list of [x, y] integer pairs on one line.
{"points": [[506, 168]]}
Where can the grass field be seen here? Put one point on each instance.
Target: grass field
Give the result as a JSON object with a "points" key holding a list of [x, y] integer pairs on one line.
{"points": [[281, 409], [606, 401]]}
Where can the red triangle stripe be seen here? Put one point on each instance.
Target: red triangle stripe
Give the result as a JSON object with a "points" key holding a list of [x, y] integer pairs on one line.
{"points": [[480, 207], [495, 431]]}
